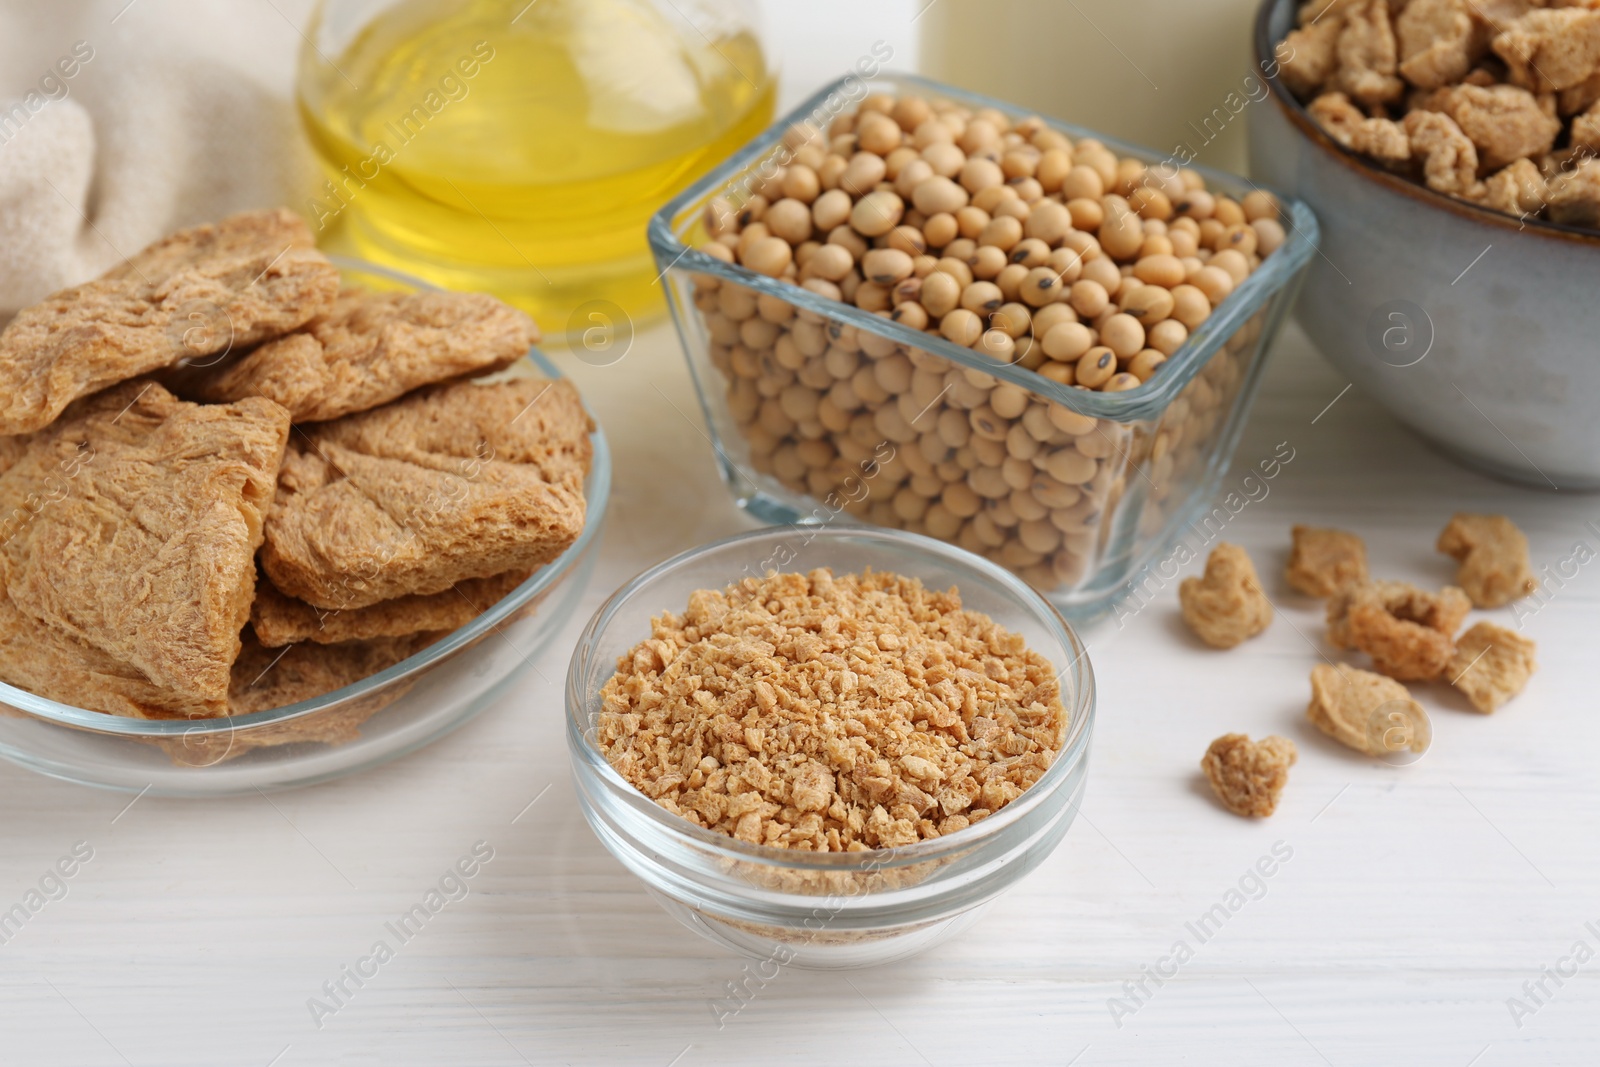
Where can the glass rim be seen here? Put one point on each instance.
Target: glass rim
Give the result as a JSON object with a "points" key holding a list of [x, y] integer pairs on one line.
{"points": [[597, 492], [1074, 748], [1145, 401]]}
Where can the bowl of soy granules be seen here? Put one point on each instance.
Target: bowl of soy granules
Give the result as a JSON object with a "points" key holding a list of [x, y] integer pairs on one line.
{"points": [[829, 747]]}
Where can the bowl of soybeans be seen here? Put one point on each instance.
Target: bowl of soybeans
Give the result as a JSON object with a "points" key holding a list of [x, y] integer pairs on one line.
{"points": [[908, 305]]}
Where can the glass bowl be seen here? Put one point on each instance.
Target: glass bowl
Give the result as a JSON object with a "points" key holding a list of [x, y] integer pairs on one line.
{"points": [[850, 909], [1138, 467], [387, 715]]}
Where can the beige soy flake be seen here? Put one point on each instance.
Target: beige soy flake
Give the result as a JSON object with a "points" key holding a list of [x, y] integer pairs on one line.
{"points": [[1406, 630], [1355, 707], [1368, 55], [1309, 56], [1380, 138], [1517, 189], [1504, 122], [1491, 665], [1493, 555], [13, 449], [1226, 605], [1324, 561], [1495, 15], [831, 713], [1547, 50], [1574, 197], [1439, 42], [1317, 12], [1586, 130], [1249, 776], [1581, 97], [1448, 156]]}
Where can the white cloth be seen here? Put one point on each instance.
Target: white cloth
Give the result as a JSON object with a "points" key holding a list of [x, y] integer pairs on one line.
{"points": [[175, 112]]}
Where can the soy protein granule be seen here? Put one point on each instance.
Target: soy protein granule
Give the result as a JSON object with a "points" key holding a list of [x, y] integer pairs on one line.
{"points": [[831, 714]]}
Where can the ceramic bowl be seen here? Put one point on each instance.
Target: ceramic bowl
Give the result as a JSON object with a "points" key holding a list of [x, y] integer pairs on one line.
{"points": [[1476, 329]]}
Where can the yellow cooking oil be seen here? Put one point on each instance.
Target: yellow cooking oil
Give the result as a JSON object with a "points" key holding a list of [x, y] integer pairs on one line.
{"points": [[520, 148]]}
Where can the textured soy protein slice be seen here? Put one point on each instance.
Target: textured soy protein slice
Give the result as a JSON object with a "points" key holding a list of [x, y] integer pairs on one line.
{"points": [[1552, 49], [451, 483], [1324, 561], [371, 348], [127, 555], [266, 678], [280, 620], [1358, 708], [1407, 631], [1493, 555], [1491, 665], [196, 294]]}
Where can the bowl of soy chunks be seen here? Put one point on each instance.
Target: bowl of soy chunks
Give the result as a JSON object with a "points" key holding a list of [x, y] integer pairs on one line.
{"points": [[251, 496]]}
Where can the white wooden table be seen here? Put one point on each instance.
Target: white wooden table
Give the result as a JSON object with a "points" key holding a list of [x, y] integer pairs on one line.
{"points": [[1417, 899]]}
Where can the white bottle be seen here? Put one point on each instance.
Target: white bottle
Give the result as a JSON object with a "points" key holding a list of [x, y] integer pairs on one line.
{"points": [[1173, 75]]}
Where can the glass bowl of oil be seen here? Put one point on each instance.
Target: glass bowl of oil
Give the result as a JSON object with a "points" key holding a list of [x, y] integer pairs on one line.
{"points": [[519, 147]]}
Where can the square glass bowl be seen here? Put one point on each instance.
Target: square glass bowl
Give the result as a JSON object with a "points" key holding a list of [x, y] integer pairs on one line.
{"points": [[395, 711], [1114, 478]]}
